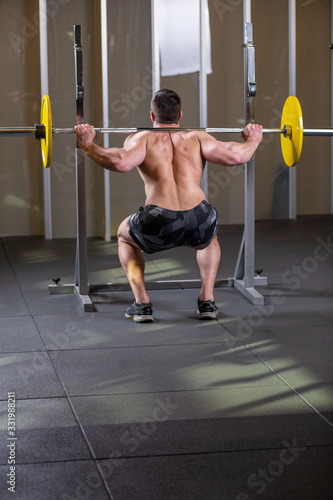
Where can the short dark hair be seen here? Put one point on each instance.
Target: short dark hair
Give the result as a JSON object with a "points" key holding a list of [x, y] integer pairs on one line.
{"points": [[166, 106]]}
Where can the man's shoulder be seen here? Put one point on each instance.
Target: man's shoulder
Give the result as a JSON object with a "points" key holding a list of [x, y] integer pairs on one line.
{"points": [[149, 135], [202, 135], [137, 136]]}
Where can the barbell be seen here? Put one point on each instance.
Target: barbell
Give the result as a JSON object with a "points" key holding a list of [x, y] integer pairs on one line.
{"points": [[291, 131]]}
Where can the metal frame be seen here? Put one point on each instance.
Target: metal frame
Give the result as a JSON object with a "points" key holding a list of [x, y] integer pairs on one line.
{"points": [[292, 91], [155, 47], [203, 83], [80, 287], [81, 265], [44, 89], [244, 279], [105, 104], [331, 107]]}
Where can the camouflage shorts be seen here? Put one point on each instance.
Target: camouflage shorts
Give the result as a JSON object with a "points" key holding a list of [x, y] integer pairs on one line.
{"points": [[155, 229]]}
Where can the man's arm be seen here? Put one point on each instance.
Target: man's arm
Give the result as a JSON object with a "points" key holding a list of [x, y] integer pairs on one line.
{"points": [[232, 153], [116, 159]]}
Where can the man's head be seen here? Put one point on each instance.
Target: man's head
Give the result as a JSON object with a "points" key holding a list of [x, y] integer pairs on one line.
{"points": [[166, 107]]}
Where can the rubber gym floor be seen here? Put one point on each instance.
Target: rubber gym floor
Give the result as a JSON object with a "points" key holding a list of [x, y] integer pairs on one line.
{"points": [[231, 409]]}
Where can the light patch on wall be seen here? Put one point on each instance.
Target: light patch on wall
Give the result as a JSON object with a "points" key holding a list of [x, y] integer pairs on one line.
{"points": [[14, 201], [179, 33], [307, 2]]}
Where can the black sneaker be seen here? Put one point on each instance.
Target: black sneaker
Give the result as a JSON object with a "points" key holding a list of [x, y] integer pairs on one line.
{"points": [[141, 313], [207, 309]]}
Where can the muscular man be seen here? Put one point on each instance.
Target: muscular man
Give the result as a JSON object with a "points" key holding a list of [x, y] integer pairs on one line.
{"points": [[176, 213]]}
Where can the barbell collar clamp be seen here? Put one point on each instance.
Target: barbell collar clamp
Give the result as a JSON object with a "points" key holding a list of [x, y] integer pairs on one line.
{"points": [[286, 131], [39, 131]]}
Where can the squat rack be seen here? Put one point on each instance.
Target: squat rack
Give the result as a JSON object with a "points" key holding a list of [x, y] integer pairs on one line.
{"points": [[244, 277]]}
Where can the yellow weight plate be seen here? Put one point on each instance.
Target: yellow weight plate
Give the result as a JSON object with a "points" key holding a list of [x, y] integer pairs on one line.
{"points": [[292, 118], [46, 120]]}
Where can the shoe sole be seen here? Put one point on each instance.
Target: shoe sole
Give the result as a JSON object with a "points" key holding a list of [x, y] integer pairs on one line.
{"points": [[140, 318], [207, 315]]}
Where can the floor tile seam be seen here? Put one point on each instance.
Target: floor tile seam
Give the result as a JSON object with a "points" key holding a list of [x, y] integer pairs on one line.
{"points": [[61, 314], [76, 418], [101, 313], [257, 236], [283, 380], [286, 341], [112, 348], [162, 391], [45, 351], [299, 260], [150, 346], [15, 315], [32, 316], [320, 322], [154, 262], [170, 391], [103, 348], [38, 398], [164, 455], [306, 294], [52, 462], [211, 453], [15, 277], [104, 479], [22, 351], [280, 250], [300, 299], [321, 274], [305, 291], [84, 436], [157, 310], [291, 387]]}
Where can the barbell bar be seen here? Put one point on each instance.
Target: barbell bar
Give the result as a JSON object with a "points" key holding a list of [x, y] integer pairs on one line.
{"points": [[291, 131], [165, 129], [328, 132]]}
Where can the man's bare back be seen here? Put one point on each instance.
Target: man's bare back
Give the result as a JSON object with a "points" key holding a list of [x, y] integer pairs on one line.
{"points": [[171, 164], [172, 169]]}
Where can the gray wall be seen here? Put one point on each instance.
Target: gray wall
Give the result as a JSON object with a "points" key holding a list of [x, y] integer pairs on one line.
{"points": [[21, 187]]}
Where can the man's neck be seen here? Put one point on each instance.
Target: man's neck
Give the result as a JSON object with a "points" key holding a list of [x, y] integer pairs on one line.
{"points": [[166, 125]]}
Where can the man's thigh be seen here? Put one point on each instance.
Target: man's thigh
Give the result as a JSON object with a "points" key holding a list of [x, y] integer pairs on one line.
{"points": [[123, 233]]}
